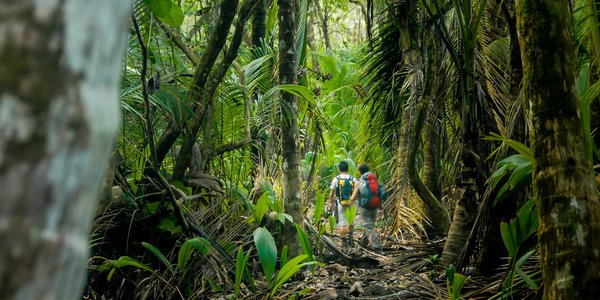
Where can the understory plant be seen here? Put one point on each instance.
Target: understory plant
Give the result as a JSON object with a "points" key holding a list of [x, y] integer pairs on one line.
{"points": [[267, 254], [519, 234]]}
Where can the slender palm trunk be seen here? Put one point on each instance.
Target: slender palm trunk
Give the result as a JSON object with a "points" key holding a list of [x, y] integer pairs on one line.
{"points": [[59, 73], [439, 219], [292, 192], [431, 152], [323, 14], [492, 248], [569, 212], [259, 23], [257, 148]]}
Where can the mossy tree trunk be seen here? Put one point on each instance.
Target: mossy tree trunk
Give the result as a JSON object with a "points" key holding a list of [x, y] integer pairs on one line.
{"points": [[292, 180], [563, 179], [439, 219], [59, 115]]}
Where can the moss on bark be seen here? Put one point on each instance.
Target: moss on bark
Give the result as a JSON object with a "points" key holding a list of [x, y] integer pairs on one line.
{"points": [[563, 179]]}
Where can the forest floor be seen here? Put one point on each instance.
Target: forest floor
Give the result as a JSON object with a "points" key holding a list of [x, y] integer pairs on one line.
{"points": [[406, 270]]}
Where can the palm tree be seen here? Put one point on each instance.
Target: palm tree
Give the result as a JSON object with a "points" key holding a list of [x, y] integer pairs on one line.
{"points": [[292, 180], [569, 211]]}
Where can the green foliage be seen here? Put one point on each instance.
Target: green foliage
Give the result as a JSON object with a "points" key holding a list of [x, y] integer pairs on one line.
{"points": [[431, 259], [287, 271], [305, 243], [520, 228], [267, 254], [514, 235], [161, 257], [319, 207], [241, 263], [588, 94], [267, 251], [186, 250], [349, 214], [519, 167], [261, 207], [123, 261], [516, 145], [301, 32], [332, 223], [454, 282], [283, 259], [167, 11]]}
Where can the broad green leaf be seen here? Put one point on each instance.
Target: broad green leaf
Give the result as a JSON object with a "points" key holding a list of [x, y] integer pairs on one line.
{"points": [[457, 285], [123, 261], [282, 217], [294, 89], [267, 251], [305, 243], [186, 250], [261, 207], [349, 214], [319, 207], [528, 281], [167, 11], [301, 33], [240, 267], [521, 261], [331, 223], [287, 271], [497, 176], [507, 238], [450, 271], [159, 255], [519, 167], [283, 259], [527, 217], [170, 223], [517, 146]]}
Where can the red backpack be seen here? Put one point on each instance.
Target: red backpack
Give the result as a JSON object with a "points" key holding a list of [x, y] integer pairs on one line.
{"points": [[371, 191]]}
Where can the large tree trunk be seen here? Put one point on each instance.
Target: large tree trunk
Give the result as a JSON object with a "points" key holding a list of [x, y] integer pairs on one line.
{"points": [[292, 190], [59, 114], [569, 212]]}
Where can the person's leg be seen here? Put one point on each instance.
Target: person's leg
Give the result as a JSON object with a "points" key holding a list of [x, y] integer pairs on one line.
{"points": [[370, 236], [342, 225]]}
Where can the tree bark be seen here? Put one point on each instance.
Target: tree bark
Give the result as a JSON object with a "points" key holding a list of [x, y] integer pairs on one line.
{"points": [[569, 212], [292, 180], [59, 114], [439, 220], [259, 23], [431, 152]]}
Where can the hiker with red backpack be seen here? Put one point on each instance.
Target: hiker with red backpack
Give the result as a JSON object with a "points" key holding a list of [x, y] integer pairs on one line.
{"points": [[371, 195], [342, 187]]}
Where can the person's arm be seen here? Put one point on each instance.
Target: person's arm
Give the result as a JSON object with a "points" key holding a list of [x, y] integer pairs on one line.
{"points": [[355, 192], [332, 188], [331, 199]]}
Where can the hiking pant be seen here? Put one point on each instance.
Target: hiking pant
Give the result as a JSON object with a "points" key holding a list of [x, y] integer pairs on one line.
{"points": [[367, 220]]}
